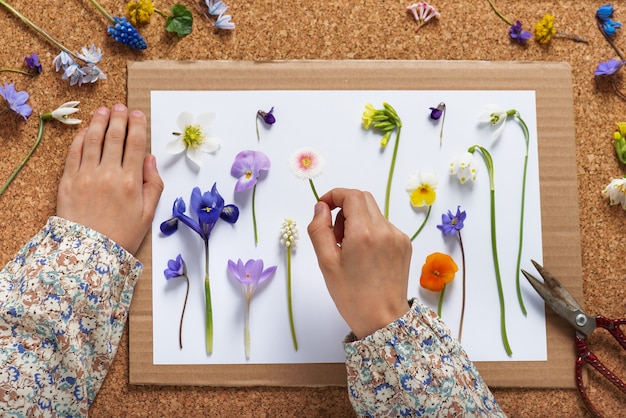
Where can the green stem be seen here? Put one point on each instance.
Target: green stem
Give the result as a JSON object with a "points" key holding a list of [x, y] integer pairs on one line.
{"points": [[14, 70], [101, 10], [290, 306], [500, 15], [208, 305], [182, 315], [422, 225], [256, 235], [494, 246], [38, 29], [391, 169], [572, 36], [317, 198], [463, 299], [521, 218], [246, 327], [161, 12], [440, 304], [21, 165]]}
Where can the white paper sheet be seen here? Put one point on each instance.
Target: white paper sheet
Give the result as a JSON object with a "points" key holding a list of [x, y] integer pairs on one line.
{"points": [[330, 121]]}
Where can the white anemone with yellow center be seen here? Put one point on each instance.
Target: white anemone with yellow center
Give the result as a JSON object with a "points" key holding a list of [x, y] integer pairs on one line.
{"points": [[194, 137], [421, 187]]}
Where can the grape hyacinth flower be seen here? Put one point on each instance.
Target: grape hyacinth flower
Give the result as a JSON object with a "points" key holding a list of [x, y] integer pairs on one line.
{"points": [[267, 118], [209, 208], [306, 163], [289, 239], [247, 168], [437, 113], [57, 114], [177, 268], [452, 225], [250, 275], [194, 137], [122, 30], [15, 100], [385, 120], [421, 187]]}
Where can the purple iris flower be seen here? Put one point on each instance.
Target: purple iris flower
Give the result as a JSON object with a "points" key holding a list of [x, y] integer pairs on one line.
{"points": [[609, 67], [33, 63], [247, 168], [16, 100], [451, 224], [516, 32], [175, 268], [209, 208], [250, 274], [267, 117]]}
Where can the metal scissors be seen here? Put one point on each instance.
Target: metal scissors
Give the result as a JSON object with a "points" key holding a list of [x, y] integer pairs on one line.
{"points": [[563, 303]]}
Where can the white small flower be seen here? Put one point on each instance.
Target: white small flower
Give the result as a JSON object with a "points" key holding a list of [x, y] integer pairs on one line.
{"points": [[62, 112], [92, 73], [464, 166], [496, 116], [421, 187], [224, 22], [91, 55], [216, 7], [194, 137], [616, 190], [62, 61], [289, 233], [306, 163]]}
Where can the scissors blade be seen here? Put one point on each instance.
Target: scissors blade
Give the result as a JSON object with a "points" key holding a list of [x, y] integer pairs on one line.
{"points": [[560, 300]]}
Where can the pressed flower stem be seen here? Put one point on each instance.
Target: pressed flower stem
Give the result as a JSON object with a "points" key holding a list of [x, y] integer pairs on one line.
{"points": [[104, 12], [208, 305], [619, 93], [571, 36], [422, 225], [500, 15], [443, 120], [161, 12], [440, 304], [463, 298], [289, 304], [317, 198], [182, 315], [494, 247], [37, 28], [258, 135], [246, 327], [256, 235], [521, 217], [391, 169], [14, 70], [609, 40], [21, 165]]}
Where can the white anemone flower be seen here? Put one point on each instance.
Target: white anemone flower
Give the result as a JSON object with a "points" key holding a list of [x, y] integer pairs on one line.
{"points": [[63, 112], [194, 137], [496, 116], [464, 166], [616, 190]]}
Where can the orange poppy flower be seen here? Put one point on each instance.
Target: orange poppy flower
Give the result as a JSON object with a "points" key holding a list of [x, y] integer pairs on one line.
{"points": [[438, 270]]}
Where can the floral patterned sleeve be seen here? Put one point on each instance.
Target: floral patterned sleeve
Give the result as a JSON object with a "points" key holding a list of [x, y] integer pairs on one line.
{"points": [[414, 367], [64, 300]]}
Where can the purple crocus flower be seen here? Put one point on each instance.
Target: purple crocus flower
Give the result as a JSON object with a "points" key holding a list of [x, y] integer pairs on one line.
{"points": [[16, 100], [517, 33], [32, 61], [451, 224], [175, 268], [208, 207], [609, 67], [247, 168]]}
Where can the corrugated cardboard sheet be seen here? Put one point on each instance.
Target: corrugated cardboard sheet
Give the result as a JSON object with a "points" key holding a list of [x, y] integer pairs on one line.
{"points": [[559, 209]]}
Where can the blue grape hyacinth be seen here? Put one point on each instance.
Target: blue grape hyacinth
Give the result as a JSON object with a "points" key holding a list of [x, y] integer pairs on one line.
{"points": [[124, 32]]}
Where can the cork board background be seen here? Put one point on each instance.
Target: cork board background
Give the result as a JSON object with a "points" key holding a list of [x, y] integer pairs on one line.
{"points": [[362, 29]]}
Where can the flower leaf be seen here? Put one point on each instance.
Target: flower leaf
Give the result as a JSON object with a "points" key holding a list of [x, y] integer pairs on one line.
{"points": [[181, 21]]}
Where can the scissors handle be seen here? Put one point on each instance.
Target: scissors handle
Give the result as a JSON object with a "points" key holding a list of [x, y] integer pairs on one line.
{"points": [[586, 356], [613, 326]]}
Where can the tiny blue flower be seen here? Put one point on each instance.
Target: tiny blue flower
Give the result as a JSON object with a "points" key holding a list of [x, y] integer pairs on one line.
{"points": [[124, 32], [224, 22], [604, 11], [609, 67]]}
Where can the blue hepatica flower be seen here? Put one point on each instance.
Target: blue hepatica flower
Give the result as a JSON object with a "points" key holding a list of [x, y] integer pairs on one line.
{"points": [[450, 223], [609, 67], [16, 100]]}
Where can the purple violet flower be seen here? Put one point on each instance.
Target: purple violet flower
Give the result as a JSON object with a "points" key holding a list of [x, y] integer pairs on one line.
{"points": [[16, 100], [609, 67], [451, 224], [437, 112], [517, 33], [32, 61], [267, 117], [175, 268], [247, 168]]}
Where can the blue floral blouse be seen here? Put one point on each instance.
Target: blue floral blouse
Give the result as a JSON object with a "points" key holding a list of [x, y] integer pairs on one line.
{"points": [[64, 301]]}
